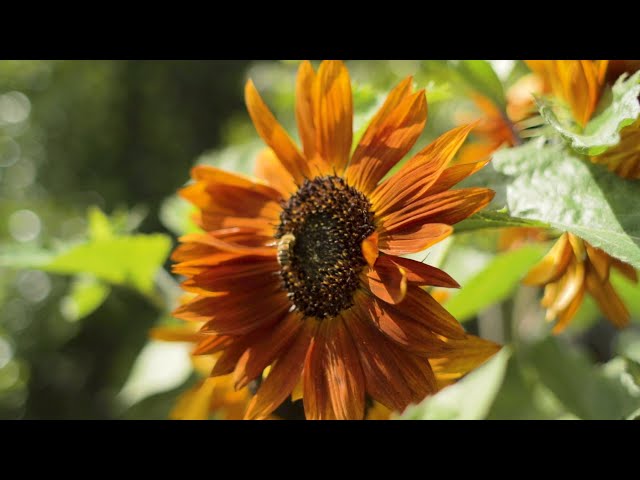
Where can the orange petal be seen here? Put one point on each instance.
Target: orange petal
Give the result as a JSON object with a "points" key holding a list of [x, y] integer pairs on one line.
{"points": [[464, 355], [448, 207], [212, 344], [600, 261], [262, 353], [569, 312], [569, 287], [232, 278], [316, 399], [370, 248], [420, 305], [552, 265], [387, 141], [270, 168], [419, 174], [283, 376], [182, 333], [274, 135], [401, 328], [626, 270], [304, 108], [387, 281], [333, 114], [420, 273], [453, 175], [343, 373], [607, 299], [414, 238]]}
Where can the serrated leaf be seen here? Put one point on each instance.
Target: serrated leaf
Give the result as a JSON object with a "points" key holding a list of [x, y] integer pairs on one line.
{"points": [[469, 399], [603, 131], [551, 184], [131, 260], [495, 282], [480, 76], [586, 390]]}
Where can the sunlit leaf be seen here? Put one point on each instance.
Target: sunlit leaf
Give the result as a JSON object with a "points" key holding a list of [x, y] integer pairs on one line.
{"points": [[85, 296], [482, 78], [603, 131], [99, 225], [550, 184], [469, 399], [495, 282]]}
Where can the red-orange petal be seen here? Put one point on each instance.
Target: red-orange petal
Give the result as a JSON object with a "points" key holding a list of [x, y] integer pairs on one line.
{"points": [[387, 281], [448, 207], [304, 108], [420, 273], [262, 353], [414, 238], [316, 399], [343, 373], [283, 376]]}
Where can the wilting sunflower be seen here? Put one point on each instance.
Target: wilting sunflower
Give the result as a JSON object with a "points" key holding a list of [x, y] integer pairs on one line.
{"points": [[580, 84], [301, 271], [571, 269]]}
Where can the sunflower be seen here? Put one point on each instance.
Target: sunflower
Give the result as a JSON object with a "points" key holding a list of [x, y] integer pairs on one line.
{"points": [[301, 270], [572, 268]]}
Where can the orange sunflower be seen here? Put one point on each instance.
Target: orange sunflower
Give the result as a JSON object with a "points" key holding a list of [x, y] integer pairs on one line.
{"points": [[301, 270]]}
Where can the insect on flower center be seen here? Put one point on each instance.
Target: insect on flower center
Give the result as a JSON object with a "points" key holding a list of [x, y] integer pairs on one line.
{"points": [[321, 230]]}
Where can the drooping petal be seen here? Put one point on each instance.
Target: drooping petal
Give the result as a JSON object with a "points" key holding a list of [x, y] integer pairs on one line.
{"points": [[261, 354], [283, 376], [370, 248], [420, 273], [607, 299], [565, 317], [274, 135], [333, 114], [387, 281], [552, 265], [421, 306], [401, 328], [343, 373], [386, 141]]}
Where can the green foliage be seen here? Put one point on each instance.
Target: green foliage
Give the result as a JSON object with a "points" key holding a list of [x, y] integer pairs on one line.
{"points": [[495, 219], [86, 295], [591, 393], [495, 282], [469, 399], [603, 131], [482, 78], [548, 183]]}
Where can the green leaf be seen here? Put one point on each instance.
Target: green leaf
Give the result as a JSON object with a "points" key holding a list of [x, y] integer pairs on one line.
{"points": [[548, 183], [175, 215], [86, 295], [22, 256], [495, 219], [131, 260], [482, 78], [469, 399], [591, 393], [603, 131], [495, 282], [99, 224]]}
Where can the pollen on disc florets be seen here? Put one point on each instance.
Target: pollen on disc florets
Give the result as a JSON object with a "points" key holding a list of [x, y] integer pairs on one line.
{"points": [[321, 230]]}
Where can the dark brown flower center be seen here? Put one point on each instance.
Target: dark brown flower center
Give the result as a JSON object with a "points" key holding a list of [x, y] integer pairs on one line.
{"points": [[321, 230]]}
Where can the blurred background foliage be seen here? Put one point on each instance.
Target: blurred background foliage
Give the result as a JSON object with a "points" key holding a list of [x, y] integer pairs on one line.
{"points": [[91, 153]]}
